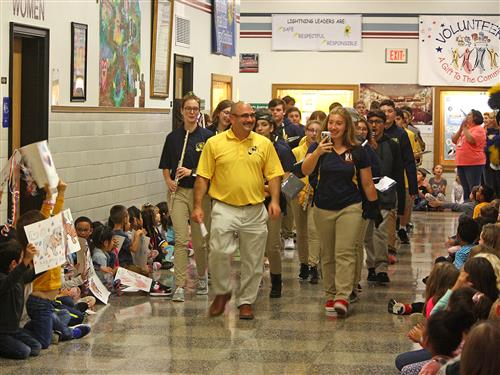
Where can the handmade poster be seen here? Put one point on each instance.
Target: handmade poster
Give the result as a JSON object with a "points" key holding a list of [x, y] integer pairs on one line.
{"points": [[133, 279], [418, 98], [316, 32], [48, 238], [459, 50], [41, 164], [97, 287], [119, 52], [119, 242], [70, 237], [224, 27]]}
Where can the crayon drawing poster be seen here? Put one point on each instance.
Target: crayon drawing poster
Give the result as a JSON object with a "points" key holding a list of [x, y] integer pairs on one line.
{"points": [[70, 237], [48, 238], [97, 287], [133, 279]]}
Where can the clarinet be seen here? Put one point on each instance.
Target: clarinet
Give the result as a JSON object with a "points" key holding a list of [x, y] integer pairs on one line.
{"points": [[181, 161]]}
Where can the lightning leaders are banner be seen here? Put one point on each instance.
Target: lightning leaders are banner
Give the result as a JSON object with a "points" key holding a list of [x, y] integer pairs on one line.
{"points": [[316, 32], [459, 50]]}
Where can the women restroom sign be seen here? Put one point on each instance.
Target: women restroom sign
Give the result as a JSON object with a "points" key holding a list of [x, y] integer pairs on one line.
{"points": [[396, 55]]}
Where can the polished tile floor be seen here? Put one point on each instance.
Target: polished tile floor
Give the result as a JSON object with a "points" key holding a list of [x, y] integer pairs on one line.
{"points": [[292, 335]]}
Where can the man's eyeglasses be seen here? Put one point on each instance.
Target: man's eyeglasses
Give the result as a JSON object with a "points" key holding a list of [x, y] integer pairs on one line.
{"points": [[191, 109], [245, 116], [375, 122]]}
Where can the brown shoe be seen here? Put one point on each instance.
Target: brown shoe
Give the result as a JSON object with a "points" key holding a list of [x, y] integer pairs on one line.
{"points": [[218, 305], [246, 312]]}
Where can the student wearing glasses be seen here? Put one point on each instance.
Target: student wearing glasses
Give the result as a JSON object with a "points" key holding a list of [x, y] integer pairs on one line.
{"points": [[221, 117], [182, 204], [232, 168]]}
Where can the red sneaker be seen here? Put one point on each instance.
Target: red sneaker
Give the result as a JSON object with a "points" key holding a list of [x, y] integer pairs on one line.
{"points": [[329, 305], [341, 306], [392, 259]]}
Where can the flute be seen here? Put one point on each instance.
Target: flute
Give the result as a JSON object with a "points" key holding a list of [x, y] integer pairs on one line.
{"points": [[181, 161]]}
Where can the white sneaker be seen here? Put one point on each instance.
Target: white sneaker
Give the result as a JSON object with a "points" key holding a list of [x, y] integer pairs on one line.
{"points": [[289, 244], [202, 287], [178, 295], [429, 197]]}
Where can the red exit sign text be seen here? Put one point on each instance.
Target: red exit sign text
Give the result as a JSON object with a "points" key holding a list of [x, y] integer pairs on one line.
{"points": [[396, 55]]}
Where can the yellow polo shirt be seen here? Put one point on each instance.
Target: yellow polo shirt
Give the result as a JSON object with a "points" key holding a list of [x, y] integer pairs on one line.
{"points": [[300, 153], [415, 148], [237, 168]]}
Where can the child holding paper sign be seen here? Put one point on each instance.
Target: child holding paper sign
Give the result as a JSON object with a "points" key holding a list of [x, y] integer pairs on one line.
{"points": [[46, 286]]}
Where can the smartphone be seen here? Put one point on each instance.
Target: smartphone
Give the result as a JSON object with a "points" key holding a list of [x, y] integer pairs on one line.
{"points": [[326, 134]]}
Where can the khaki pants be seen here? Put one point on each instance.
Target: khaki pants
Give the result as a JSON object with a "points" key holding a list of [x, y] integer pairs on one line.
{"points": [[376, 244], [273, 245], [339, 232], [391, 230], [180, 215], [287, 221], [250, 222], [359, 254], [307, 236]]}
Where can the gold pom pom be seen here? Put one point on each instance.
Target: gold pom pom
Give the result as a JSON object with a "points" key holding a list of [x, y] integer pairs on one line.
{"points": [[495, 156]]}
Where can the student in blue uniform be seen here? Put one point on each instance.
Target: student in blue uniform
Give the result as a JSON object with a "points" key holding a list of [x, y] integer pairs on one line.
{"points": [[338, 214], [182, 203]]}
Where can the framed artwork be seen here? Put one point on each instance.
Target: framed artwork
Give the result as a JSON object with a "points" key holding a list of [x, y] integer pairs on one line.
{"points": [[78, 62], [451, 107], [161, 47]]}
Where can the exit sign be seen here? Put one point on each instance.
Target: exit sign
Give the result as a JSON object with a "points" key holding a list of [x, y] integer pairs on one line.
{"points": [[396, 55]]}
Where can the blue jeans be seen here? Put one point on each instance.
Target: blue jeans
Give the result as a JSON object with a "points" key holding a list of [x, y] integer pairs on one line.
{"points": [[60, 320], [40, 326], [412, 357], [67, 303], [470, 176], [18, 345]]}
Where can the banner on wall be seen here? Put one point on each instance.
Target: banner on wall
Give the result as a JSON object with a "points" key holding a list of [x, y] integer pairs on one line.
{"points": [[459, 50], [316, 32], [224, 27]]}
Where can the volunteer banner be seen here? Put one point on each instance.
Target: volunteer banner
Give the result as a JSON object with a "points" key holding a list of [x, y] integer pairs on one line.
{"points": [[459, 50], [316, 32]]}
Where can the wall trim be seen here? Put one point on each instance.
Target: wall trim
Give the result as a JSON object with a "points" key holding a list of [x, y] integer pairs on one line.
{"points": [[80, 109]]}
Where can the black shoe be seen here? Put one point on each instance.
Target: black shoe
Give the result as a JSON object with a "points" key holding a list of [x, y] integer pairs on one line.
{"points": [[353, 297], [382, 278], [409, 227], [275, 286], [313, 271], [372, 276], [304, 272], [403, 236]]}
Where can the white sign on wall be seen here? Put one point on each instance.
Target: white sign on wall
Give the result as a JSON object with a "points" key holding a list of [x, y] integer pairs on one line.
{"points": [[316, 32], [459, 50]]}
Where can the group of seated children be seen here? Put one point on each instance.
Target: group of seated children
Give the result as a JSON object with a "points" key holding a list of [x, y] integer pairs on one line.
{"points": [[434, 189], [59, 297], [462, 291]]}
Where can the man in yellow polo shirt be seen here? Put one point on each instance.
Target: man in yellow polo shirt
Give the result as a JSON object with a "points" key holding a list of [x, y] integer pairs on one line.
{"points": [[235, 164]]}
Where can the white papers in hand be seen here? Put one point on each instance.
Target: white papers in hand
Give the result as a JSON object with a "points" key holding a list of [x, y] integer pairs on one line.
{"points": [[385, 184]]}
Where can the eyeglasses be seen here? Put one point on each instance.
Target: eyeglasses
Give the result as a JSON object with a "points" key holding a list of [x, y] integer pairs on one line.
{"points": [[227, 113], [191, 109], [245, 116], [375, 122]]}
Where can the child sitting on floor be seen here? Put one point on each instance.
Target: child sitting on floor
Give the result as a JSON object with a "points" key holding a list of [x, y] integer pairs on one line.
{"points": [[103, 257], [442, 277], [16, 270], [467, 234], [438, 183], [423, 189], [144, 253]]}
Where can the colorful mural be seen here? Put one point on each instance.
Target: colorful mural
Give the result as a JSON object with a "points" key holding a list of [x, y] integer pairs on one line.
{"points": [[120, 52]]}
